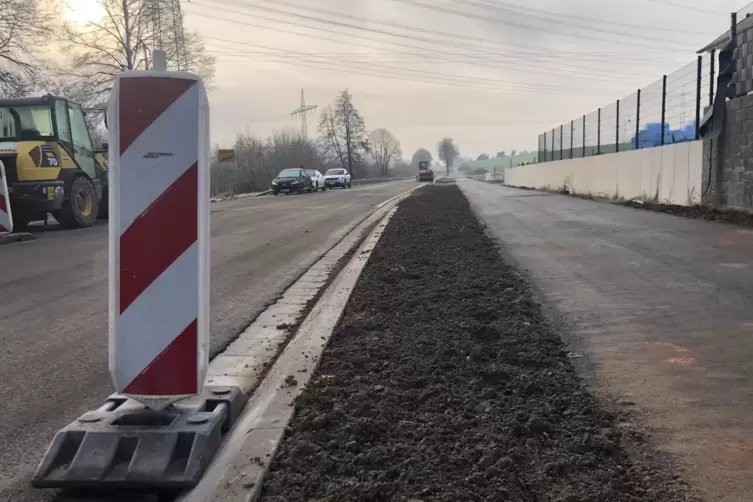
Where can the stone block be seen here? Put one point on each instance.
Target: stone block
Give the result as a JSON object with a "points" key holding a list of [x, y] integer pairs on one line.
{"points": [[747, 102], [728, 166], [746, 202], [737, 140], [746, 175]]}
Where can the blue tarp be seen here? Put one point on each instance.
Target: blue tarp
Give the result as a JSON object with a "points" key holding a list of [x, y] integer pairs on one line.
{"points": [[650, 135]]}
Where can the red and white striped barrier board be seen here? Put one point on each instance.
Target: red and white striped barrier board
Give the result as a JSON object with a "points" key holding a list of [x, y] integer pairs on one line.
{"points": [[158, 125], [6, 218]]}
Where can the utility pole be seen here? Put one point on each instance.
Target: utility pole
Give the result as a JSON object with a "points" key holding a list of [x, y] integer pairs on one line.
{"points": [[127, 26], [159, 57], [170, 18], [302, 112], [180, 42]]}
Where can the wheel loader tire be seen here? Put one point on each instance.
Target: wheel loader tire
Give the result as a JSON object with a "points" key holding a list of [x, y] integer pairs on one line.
{"points": [[81, 207]]}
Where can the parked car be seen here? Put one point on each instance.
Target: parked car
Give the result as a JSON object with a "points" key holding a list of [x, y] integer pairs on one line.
{"points": [[337, 178], [317, 178], [292, 180]]}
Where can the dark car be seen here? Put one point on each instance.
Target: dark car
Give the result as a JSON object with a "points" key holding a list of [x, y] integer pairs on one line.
{"points": [[292, 180]]}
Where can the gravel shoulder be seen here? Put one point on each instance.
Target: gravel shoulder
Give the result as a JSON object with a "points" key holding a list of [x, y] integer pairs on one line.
{"points": [[444, 381]]}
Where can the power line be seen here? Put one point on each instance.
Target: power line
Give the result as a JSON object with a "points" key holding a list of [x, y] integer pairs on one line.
{"points": [[413, 29], [432, 7], [508, 7], [425, 74], [568, 69], [517, 25], [609, 57], [391, 76], [686, 7], [409, 28], [569, 72], [546, 73]]}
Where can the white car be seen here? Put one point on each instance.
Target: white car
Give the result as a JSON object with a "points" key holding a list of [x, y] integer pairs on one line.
{"points": [[337, 178], [317, 178]]}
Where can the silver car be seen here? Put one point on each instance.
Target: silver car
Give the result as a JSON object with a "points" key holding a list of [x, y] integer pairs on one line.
{"points": [[337, 178], [317, 178]]}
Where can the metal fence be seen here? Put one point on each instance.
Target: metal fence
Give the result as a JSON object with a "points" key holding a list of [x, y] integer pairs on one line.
{"points": [[664, 112]]}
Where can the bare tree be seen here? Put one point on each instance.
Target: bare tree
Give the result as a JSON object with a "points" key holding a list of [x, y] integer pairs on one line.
{"points": [[403, 169], [124, 40], [343, 132], [25, 26], [258, 161], [384, 149], [448, 153], [421, 154]]}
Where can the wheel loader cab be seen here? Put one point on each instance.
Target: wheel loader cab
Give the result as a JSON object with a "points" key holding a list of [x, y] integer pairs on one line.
{"points": [[51, 166]]}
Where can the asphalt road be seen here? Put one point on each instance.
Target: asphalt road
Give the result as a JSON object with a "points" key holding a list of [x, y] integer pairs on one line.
{"points": [[53, 307], [661, 310]]}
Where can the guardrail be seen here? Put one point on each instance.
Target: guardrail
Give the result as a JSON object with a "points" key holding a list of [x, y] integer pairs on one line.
{"points": [[368, 181]]}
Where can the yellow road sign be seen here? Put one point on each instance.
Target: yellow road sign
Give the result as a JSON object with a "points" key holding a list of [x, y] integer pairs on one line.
{"points": [[226, 155]]}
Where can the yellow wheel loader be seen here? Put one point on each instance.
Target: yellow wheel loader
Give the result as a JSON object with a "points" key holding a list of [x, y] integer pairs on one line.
{"points": [[50, 163]]}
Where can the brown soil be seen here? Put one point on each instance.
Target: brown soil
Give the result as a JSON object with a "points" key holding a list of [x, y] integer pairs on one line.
{"points": [[697, 212], [444, 382]]}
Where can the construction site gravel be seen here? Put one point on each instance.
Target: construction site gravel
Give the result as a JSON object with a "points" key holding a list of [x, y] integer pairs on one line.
{"points": [[445, 382]]}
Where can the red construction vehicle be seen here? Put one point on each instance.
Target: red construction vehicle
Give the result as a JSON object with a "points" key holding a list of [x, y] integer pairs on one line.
{"points": [[425, 172]]}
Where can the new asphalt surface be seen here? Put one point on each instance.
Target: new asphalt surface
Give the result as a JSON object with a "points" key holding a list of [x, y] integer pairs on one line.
{"points": [[657, 308], [53, 307]]}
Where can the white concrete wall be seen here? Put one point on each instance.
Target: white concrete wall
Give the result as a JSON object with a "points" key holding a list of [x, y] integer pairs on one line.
{"points": [[671, 173]]}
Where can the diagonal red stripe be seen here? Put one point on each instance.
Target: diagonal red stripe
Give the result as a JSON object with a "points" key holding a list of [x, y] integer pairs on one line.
{"points": [[142, 100], [173, 372], [158, 236], [3, 206], [3, 229]]}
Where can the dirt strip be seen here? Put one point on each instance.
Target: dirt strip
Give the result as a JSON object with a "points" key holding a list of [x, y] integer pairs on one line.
{"points": [[698, 212], [443, 382]]}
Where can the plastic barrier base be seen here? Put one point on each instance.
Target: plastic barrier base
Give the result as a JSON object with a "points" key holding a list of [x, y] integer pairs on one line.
{"points": [[10, 238], [125, 445]]}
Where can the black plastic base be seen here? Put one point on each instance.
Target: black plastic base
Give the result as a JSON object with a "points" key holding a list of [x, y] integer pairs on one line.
{"points": [[17, 237], [125, 445]]}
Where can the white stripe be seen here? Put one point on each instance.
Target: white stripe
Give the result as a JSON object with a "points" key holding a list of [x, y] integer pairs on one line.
{"points": [[157, 317], [143, 180], [6, 219]]}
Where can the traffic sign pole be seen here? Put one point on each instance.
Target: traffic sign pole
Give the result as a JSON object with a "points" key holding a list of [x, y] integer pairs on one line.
{"points": [[159, 236], [143, 437]]}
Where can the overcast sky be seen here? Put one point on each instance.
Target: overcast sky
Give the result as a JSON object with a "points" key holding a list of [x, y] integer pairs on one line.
{"points": [[492, 74]]}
